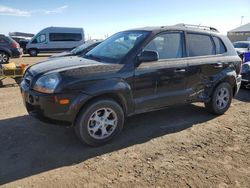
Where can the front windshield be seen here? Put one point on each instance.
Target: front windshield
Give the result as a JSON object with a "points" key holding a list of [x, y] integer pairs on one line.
{"points": [[117, 46]]}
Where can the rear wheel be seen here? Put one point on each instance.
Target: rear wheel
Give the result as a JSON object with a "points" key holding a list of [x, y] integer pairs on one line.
{"points": [[4, 58], [99, 122], [33, 52], [221, 99]]}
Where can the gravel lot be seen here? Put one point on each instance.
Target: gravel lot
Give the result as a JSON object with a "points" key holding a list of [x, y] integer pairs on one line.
{"points": [[182, 146]]}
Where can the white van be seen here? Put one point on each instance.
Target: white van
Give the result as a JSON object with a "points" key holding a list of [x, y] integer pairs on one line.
{"points": [[55, 39]]}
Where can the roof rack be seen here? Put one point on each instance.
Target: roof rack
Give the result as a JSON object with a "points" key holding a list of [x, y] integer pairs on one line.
{"points": [[198, 27]]}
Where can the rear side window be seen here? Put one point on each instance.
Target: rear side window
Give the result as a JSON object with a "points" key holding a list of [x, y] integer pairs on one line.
{"points": [[220, 47], [200, 45], [65, 37], [168, 45]]}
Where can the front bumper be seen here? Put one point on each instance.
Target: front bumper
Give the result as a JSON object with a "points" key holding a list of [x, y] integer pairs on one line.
{"points": [[46, 106]]}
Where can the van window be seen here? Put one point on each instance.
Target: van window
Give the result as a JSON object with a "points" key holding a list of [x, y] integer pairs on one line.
{"points": [[168, 45], [65, 36], [39, 39], [200, 45], [220, 47]]}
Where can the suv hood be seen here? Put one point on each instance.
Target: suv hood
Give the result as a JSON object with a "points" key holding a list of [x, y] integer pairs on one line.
{"points": [[63, 64]]}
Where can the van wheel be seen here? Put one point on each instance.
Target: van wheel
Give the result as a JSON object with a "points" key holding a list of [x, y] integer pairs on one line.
{"points": [[4, 58], [221, 99], [33, 52], [99, 122]]}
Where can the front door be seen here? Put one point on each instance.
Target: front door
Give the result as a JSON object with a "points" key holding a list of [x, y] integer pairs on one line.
{"points": [[162, 83]]}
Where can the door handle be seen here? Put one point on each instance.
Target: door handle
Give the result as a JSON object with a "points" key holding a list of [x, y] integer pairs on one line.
{"points": [[218, 65], [180, 70]]}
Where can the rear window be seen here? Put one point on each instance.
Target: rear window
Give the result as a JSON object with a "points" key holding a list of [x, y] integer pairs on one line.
{"points": [[3, 41], [200, 45], [220, 47], [65, 36], [241, 45]]}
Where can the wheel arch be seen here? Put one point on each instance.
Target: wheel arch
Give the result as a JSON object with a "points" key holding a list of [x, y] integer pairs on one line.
{"points": [[229, 77], [119, 99], [8, 52]]}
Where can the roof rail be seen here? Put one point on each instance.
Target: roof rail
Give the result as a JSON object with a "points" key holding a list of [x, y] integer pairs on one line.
{"points": [[198, 27]]}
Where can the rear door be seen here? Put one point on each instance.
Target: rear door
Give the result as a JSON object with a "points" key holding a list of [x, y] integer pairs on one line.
{"points": [[162, 83], [206, 61]]}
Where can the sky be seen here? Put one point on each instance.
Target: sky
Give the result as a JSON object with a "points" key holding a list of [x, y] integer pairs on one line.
{"points": [[102, 18]]}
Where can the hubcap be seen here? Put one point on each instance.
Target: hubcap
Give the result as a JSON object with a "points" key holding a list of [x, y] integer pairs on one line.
{"points": [[222, 98], [3, 58], [102, 123]]}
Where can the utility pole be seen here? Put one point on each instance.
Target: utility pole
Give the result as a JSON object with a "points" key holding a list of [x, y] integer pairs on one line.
{"points": [[241, 20]]}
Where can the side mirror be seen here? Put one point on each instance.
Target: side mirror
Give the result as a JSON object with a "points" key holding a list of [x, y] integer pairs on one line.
{"points": [[148, 56]]}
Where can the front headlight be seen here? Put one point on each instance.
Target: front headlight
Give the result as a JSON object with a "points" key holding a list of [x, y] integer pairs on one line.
{"points": [[47, 83]]}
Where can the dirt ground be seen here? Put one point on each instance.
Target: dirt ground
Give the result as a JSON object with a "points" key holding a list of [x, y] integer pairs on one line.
{"points": [[182, 146]]}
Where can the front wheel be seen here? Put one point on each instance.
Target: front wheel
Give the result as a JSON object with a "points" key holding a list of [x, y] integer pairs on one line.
{"points": [[221, 99], [99, 122], [33, 52]]}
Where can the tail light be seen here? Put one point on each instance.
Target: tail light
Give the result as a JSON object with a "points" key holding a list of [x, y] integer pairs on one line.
{"points": [[15, 45]]}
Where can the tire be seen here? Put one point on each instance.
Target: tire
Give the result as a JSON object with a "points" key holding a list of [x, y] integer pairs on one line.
{"points": [[33, 52], [4, 58], [221, 99], [99, 122]]}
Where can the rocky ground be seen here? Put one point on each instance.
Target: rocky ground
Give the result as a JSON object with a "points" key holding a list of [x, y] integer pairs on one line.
{"points": [[182, 146]]}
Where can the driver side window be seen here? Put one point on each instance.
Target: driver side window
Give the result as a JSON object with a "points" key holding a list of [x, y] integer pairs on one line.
{"points": [[168, 45], [39, 39]]}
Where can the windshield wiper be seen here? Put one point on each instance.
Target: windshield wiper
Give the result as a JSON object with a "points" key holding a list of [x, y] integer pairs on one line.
{"points": [[91, 56]]}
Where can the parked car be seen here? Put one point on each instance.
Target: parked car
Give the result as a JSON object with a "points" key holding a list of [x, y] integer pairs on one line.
{"points": [[246, 75], [9, 49], [241, 47], [55, 39], [132, 72], [79, 50]]}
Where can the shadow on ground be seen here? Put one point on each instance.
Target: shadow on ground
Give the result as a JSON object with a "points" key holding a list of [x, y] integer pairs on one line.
{"points": [[29, 147], [243, 95]]}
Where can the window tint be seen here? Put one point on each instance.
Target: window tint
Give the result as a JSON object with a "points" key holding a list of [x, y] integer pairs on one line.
{"points": [[65, 37], [168, 45], [199, 45], [220, 47]]}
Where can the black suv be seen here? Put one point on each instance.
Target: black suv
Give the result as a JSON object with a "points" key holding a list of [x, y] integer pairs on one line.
{"points": [[132, 72], [9, 49]]}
